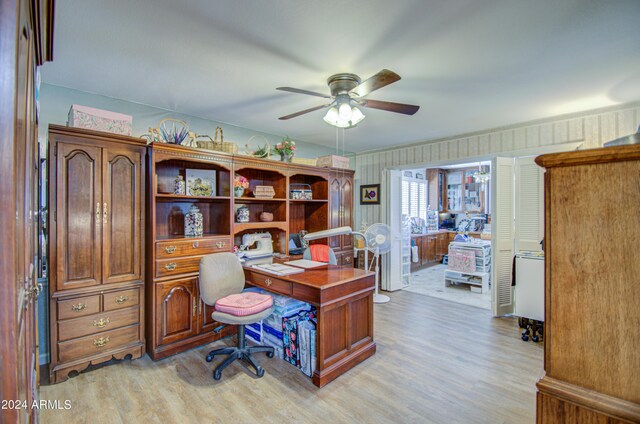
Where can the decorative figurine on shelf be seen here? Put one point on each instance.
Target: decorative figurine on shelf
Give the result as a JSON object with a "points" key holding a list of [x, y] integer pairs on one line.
{"points": [[285, 149], [193, 222], [240, 184], [179, 185], [242, 214]]}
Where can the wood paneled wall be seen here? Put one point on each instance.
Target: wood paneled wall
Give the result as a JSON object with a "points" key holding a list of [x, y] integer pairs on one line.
{"points": [[592, 128]]}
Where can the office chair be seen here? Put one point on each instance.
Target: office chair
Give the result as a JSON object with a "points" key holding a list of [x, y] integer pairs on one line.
{"points": [[221, 284], [320, 253]]}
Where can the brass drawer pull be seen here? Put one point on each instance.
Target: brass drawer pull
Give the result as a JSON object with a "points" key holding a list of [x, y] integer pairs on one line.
{"points": [[98, 213], [101, 342], [268, 282], [171, 266], [170, 249], [79, 307], [195, 244], [121, 299], [101, 323], [220, 244], [347, 259], [104, 213]]}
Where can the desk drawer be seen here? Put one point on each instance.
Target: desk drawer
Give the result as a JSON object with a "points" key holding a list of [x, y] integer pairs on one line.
{"points": [[177, 266], [92, 324], [103, 342], [78, 307], [192, 247], [268, 282], [121, 299]]}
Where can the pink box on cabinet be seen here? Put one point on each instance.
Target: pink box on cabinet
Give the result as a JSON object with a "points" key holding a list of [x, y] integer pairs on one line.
{"points": [[333, 161], [99, 120]]}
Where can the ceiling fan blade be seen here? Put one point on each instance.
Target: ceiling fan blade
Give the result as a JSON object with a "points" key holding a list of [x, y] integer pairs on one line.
{"points": [[379, 80], [302, 112], [300, 91], [390, 106]]}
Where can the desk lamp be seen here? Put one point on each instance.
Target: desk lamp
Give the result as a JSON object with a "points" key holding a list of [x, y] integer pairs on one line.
{"points": [[332, 232]]}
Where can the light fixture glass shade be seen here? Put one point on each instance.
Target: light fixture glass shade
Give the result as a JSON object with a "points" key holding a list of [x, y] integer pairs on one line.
{"points": [[356, 116], [332, 117], [344, 111]]}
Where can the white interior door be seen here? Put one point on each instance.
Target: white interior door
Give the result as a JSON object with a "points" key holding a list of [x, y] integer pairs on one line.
{"points": [[391, 201], [502, 231], [529, 224]]}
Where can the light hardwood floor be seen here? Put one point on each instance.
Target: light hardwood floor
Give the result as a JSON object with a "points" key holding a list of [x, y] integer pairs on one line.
{"points": [[437, 362]]}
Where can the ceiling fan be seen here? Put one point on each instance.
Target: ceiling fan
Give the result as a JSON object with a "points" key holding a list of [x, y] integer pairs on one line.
{"points": [[347, 93]]}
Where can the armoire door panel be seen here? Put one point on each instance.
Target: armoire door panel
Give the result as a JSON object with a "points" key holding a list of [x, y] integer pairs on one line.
{"points": [[334, 210], [79, 218], [347, 212], [177, 305], [121, 216]]}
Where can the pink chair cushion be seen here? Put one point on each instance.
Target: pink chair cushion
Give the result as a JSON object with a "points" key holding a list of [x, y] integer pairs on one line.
{"points": [[243, 304]]}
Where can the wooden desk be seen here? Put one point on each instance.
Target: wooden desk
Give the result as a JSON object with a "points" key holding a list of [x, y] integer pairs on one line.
{"points": [[343, 297]]}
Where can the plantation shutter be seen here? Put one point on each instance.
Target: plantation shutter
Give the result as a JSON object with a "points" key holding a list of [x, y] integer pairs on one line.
{"points": [[502, 230], [529, 224]]}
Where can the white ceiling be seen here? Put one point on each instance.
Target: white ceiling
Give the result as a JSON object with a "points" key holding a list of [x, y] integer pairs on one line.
{"points": [[470, 64]]}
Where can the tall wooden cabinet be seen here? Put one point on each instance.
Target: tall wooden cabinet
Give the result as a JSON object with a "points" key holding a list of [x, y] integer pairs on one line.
{"points": [[96, 187], [341, 213], [176, 317], [592, 289], [26, 42]]}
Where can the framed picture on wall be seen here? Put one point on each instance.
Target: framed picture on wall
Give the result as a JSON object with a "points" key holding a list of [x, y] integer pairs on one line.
{"points": [[370, 194]]}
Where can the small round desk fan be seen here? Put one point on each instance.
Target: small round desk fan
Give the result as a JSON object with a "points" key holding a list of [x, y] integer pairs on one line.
{"points": [[378, 241]]}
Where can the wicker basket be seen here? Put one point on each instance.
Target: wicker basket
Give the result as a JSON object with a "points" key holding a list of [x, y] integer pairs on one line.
{"points": [[209, 143], [264, 192]]}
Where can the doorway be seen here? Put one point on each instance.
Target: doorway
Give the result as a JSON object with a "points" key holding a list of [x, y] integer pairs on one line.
{"points": [[440, 204]]}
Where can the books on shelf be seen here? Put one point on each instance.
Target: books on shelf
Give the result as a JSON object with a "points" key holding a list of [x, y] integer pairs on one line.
{"points": [[278, 269]]}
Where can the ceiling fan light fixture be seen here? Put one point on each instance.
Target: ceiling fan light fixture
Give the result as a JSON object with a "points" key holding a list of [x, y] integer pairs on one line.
{"points": [[356, 116], [333, 118], [344, 111]]}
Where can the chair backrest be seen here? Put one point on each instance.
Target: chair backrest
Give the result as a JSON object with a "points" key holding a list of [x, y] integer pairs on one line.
{"points": [[221, 274], [332, 256]]}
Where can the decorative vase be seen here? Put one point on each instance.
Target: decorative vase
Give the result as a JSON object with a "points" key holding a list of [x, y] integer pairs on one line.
{"points": [[242, 214], [284, 157], [266, 217], [238, 191], [179, 185], [193, 222]]}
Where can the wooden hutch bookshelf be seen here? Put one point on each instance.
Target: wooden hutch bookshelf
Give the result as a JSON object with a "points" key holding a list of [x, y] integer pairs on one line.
{"points": [[176, 317]]}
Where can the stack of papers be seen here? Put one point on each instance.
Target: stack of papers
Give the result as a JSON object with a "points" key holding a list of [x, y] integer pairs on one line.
{"points": [[278, 269], [306, 263]]}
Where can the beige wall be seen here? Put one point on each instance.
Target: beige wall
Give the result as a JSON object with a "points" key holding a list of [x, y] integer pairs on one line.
{"points": [[592, 128]]}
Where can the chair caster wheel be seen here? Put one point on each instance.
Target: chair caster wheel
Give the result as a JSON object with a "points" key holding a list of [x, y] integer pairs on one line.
{"points": [[260, 372], [270, 354], [525, 338], [217, 375], [535, 339], [209, 358]]}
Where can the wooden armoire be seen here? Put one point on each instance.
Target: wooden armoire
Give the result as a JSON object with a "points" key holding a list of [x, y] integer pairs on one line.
{"points": [[592, 287], [26, 42], [96, 248]]}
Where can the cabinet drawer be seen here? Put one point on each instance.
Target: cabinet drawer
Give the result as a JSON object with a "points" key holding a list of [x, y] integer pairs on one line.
{"points": [[92, 324], [177, 266], [192, 247], [347, 259], [121, 299], [103, 342], [78, 307], [267, 282]]}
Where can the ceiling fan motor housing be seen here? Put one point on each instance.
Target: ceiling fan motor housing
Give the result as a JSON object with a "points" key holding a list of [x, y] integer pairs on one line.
{"points": [[342, 83]]}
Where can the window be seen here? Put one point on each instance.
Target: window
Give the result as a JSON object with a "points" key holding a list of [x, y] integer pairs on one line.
{"points": [[414, 198]]}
